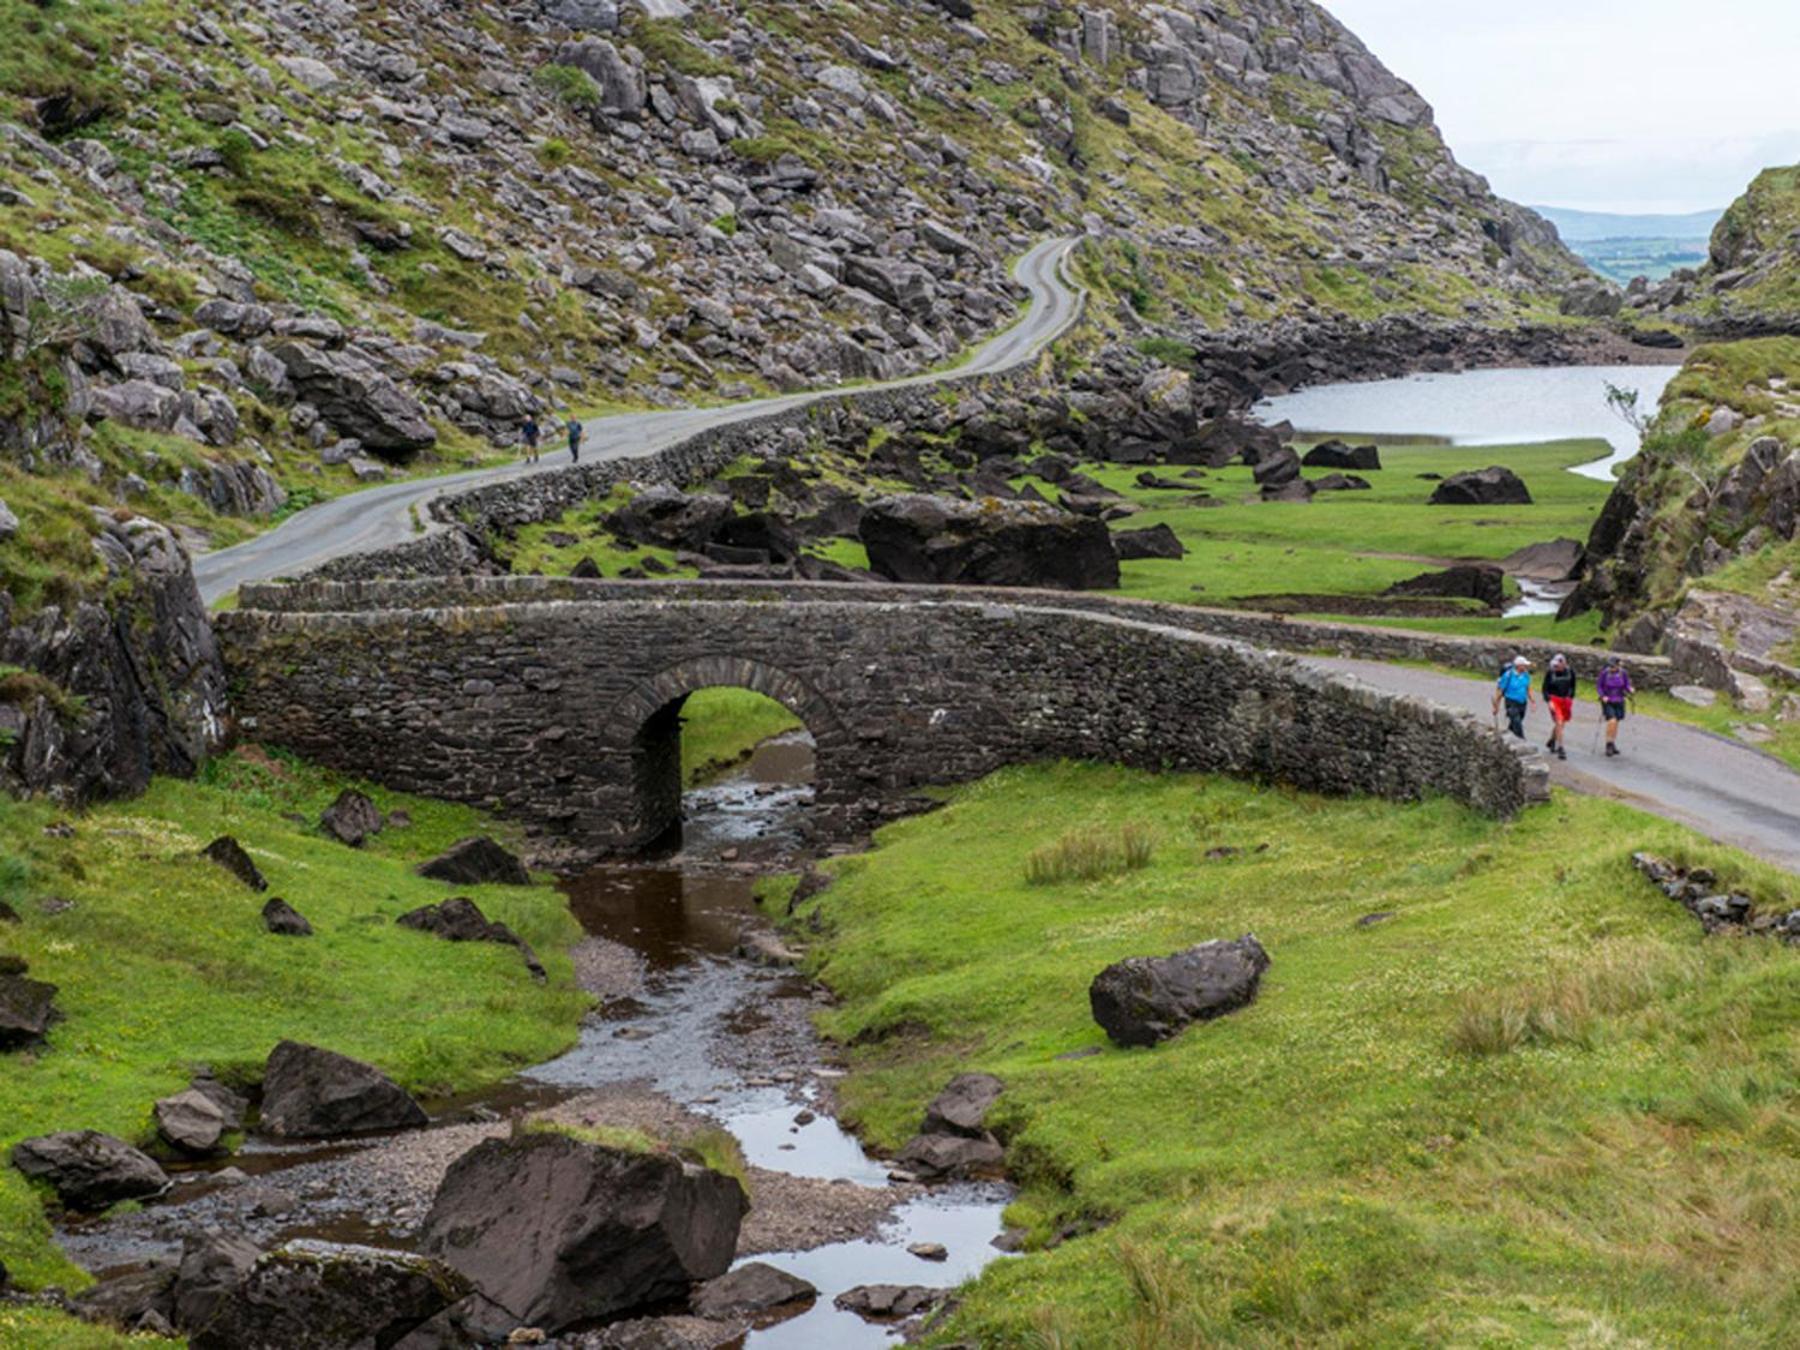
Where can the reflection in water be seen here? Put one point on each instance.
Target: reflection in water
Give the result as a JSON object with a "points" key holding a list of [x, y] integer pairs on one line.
{"points": [[1482, 407]]}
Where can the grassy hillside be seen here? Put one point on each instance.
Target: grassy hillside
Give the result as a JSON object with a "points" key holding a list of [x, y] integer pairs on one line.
{"points": [[163, 964], [1530, 1105]]}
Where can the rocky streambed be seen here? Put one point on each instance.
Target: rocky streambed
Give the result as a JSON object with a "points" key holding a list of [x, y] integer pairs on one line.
{"points": [[701, 1024]]}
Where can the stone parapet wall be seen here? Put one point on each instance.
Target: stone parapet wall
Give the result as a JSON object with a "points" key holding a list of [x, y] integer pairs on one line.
{"points": [[1480, 655], [558, 707]]}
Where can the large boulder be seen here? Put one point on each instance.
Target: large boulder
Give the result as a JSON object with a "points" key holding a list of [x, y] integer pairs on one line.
{"points": [[1145, 999], [357, 399], [1277, 469], [309, 1093], [351, 819], [1337, 455], [1466, 581], [1219, 441], [666, 517], [559, 1231], [283, 920], [315, 1296], [477, 861], [920, 539], [621, 85], [89, 1170], [1493, 486], [27, 1009]]}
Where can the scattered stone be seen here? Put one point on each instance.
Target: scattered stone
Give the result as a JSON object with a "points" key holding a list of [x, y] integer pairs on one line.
{"points": [[214, 1265], [310, 1093], [962, 1107], [477, 861], [190, 1122], [1694, 695], [1370, 920], [1159, 541], [1493, 486], [232, 1106], [129, 1301], [749, 1290], [889, 1302], [1337, 455], [461, 920], [929, 1251], [317, 1295], [351, 819], [943, 1157], [1697, 890], [558, 1231], [89, 1171], [283, 920], [230, 855], [27, 1008], [1145, 999]]}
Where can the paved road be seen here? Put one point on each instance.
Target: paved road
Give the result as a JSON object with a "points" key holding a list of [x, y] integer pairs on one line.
{"points": [[382, 517], [1725, 790]]}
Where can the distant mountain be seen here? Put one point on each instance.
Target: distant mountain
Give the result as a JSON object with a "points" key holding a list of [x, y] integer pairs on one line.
{"points": [[1577, 226]]}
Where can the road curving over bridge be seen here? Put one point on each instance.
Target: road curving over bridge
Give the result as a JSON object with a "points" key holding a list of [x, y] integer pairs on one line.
{"points": [[558, 701]]}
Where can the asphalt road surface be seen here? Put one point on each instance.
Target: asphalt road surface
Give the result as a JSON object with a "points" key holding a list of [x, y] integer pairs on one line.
{"points": [[384, 516], [1726, 790]]}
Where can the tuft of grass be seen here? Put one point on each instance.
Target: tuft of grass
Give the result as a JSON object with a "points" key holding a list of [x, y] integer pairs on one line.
{"points": [[1088, 855]]}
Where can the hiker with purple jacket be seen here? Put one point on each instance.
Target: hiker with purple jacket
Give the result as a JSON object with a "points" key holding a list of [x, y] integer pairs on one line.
{"points": [[1613, 686]]}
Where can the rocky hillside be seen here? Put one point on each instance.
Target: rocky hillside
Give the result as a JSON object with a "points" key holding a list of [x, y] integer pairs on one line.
{"points": [[254, 252], [1750, 284]]}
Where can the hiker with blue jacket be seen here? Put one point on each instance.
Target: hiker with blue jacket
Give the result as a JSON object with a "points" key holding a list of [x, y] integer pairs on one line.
{"points": [[1513, 688]]}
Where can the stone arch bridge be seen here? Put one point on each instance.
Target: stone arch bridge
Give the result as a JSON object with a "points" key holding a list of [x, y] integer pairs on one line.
{"points": [[557, 701]]}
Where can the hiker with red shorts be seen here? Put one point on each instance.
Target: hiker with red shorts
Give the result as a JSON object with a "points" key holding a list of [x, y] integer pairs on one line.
{"points": [[1559, 696]]}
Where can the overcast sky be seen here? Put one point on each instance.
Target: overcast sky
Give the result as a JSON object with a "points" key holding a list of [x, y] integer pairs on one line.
{"points": [[1603, 105]]}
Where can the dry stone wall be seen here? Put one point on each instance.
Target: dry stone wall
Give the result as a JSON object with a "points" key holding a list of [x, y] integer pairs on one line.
{"points": [[559, 705]]}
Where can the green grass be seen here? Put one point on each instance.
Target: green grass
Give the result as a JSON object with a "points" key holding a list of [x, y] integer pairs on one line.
{"points": [[1352, 544], [720, 727], [163, 964], [1534, 1106]]}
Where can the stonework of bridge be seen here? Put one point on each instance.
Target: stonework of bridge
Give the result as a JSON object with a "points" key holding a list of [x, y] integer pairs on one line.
{"points": [[558, 701]]}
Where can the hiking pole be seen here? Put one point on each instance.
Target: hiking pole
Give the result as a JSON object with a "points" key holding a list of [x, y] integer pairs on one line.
{"points": [[1598, 722]]}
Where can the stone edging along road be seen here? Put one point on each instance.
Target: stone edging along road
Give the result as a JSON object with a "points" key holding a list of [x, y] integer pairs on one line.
{"points": [[382, 523]]}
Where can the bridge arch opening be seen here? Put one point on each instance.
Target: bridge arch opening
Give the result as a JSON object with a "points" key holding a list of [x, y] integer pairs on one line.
{"points": [[685, 726]]}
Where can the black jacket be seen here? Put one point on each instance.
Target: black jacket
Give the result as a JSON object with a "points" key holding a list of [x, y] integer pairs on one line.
{"points": [[1559, 684]]}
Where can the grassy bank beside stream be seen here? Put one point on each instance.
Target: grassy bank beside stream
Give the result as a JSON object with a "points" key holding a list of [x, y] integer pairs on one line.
{"points": [[1532, 1104], [163, 964]]}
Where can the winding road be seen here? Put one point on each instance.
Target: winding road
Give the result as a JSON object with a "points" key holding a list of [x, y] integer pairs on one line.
{"points": [[1724, 790], [384, 516]]}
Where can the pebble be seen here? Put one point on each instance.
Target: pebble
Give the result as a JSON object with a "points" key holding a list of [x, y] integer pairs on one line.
{"points": [[930, 1251], [805, 1118]]}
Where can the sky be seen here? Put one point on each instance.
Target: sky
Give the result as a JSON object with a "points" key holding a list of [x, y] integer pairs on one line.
{"points": [[1601, 105]]}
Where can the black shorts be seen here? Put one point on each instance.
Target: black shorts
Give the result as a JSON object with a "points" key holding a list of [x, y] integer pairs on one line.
{"points": [[1613, 712]]}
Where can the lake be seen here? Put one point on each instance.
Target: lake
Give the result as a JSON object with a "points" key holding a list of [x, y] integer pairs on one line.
{"points": [[1482, 407]]}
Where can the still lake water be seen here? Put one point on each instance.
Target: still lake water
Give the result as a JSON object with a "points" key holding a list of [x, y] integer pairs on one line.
{"points": [[1482, 407]]}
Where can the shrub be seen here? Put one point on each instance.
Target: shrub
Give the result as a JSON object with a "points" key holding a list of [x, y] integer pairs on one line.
{"points": [[1090, 854], [235, 148], [1170, 351], [572, 87]]}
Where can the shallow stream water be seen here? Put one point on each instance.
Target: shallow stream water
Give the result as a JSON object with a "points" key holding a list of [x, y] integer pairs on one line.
{"points": [[705, 1032]]}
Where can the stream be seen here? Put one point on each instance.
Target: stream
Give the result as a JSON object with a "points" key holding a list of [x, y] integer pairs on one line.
{"points": [[687, 1032]]}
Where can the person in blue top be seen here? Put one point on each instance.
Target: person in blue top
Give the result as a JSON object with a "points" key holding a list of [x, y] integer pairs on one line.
{"points": [[1514, 690]]}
